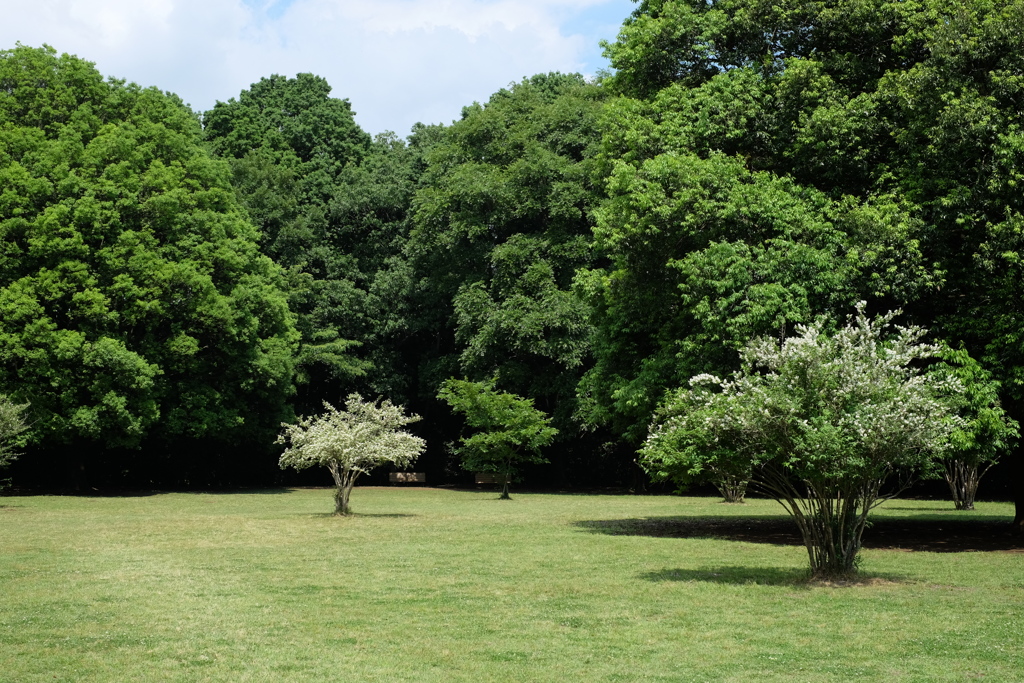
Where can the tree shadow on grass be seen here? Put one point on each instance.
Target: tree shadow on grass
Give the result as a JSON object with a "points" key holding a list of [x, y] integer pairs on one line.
{"points": [[267, 491], [324, 515], [762, 576], [895, 533]]}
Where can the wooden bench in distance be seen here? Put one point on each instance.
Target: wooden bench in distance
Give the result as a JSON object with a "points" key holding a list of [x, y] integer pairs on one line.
{"points": [[489, 478], [407, 477]]}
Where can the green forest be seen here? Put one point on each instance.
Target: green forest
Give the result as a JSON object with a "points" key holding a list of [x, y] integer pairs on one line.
{"points": [[176, 285]]}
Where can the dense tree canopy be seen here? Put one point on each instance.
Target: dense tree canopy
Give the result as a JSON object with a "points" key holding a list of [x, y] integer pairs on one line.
{"points": [[333, 207], [288, 141], [743, 169], [902, 117], [133, 298], [503, 221]]}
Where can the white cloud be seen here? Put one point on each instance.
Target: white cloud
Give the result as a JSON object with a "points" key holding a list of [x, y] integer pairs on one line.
{"points": [[398, 61]]}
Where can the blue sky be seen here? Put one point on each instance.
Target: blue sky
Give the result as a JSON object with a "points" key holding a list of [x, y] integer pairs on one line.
{"points": [[397, 61]]}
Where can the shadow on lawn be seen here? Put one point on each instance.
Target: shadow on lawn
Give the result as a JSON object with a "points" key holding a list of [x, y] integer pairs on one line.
{"points": [[761, 576], [932, 535], [356, 514], [266, 491]]}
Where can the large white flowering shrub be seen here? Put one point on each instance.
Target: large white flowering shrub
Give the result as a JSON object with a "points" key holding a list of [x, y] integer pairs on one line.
{"points": [[819, 422]]}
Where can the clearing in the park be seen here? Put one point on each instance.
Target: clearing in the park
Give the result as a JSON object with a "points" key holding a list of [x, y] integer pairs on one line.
{"points": [[445, 585]]}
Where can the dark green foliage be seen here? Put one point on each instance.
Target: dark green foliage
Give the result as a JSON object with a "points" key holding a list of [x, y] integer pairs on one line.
{"points": [[290, 118], [707, 254], [507, 431], [371, 217], [502, 224], [332, 205], [288, 141], [133, 299]]}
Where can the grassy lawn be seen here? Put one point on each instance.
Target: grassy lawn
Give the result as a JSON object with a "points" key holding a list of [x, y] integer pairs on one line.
{"points": [[439, 585]]}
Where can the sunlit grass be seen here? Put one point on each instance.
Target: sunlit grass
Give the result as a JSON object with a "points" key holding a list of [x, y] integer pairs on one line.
{"points": [[439, 585]]}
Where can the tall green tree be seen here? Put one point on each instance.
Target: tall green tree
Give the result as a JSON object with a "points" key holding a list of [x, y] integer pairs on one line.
{"points": [[287, 141], [916, 106], [503, 221], [134, 301], [902, 118], [333, 208], [706, 253]]}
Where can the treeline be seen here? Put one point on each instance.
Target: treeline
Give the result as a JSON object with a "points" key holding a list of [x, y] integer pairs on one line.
{"points": [[175, 285]]}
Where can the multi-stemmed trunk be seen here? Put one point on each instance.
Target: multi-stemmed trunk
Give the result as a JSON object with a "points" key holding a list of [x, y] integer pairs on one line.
{"points": [[963, 479], [831, 517], [344, 480], [733, 488]]}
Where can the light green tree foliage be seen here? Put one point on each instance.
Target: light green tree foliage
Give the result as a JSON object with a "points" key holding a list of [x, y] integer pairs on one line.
{"points": [[350, 442], [912, 109], [721, 223], [502, 223], [706, 254], [12, 426], [133, 297], [983, 432], [821, 421], [507, 431]]}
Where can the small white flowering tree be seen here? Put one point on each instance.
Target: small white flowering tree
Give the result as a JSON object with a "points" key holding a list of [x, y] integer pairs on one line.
{"points": [[351, 442], [821, 422], [666, 439]]}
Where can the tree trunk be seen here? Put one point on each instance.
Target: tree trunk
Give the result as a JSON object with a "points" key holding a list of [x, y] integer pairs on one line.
{"points": [[733, 489], [835, 528], [344, 480], [1016, 462], [341, 496], [831, 519], [963, 480], [504, 486]]}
